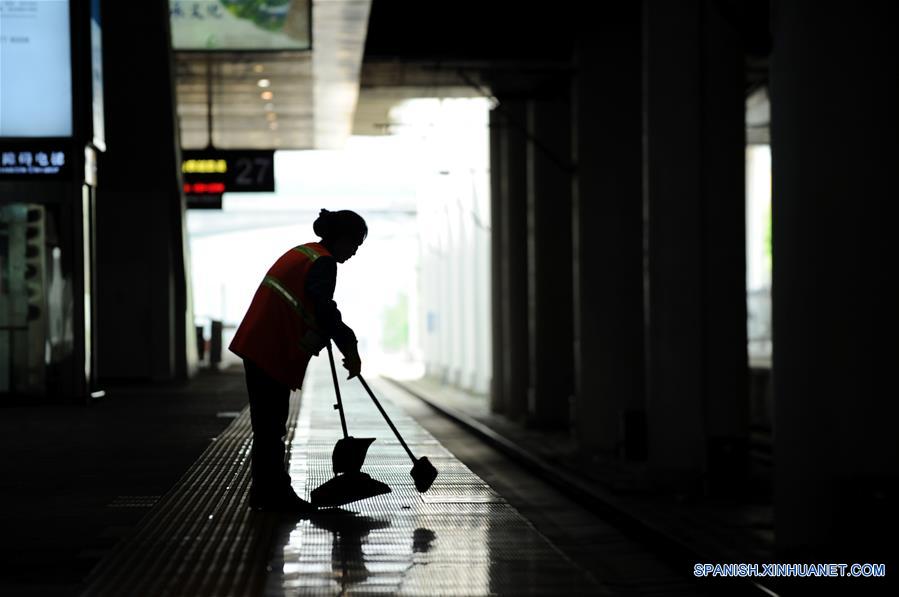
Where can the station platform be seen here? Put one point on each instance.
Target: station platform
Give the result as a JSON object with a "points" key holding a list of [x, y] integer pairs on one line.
{"points": [[146, 493], [459, 538]]}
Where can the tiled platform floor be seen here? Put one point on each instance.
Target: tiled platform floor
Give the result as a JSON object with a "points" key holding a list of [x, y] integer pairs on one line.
{"points": [[733, 527], [460, 538]]}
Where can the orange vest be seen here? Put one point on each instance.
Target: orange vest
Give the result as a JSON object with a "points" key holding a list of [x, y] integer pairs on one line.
{"points": [[279, 333]]}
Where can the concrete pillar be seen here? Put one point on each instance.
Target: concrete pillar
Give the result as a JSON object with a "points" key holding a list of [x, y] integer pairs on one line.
{"points": [[497, 389], [444, 297], [607, 231], [697, 403], [550, 339], [466, 293], [482, 286], [456, 309], [834, 155], [723, 146], [514, 274], [145, 322]]}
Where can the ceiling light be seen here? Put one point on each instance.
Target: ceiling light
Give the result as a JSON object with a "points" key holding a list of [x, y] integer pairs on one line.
{"points": [[271, 116], [268, 107], [266, 95], [263, 83], [273, 126], [258, 68]]}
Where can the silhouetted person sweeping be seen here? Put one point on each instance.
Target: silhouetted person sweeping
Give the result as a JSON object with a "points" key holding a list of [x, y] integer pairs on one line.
{"points": [[291, 318]]}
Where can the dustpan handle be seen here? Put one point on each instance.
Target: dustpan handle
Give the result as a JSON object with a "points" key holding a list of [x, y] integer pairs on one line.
{"points": [[386, 418], [339, 404]]}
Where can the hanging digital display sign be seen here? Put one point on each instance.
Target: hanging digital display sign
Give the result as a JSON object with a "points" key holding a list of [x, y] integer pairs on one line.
{"points": [[35, 69], [228, 170], [241, 24]]}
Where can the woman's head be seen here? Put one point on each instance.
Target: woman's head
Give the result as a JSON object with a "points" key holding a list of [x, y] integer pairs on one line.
{"points": [[341, 232]]}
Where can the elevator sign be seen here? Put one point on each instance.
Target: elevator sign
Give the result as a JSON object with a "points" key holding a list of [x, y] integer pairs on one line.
{"points": [[228, 171], [34, 159]]}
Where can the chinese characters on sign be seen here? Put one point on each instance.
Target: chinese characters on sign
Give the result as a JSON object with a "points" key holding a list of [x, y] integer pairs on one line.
{"points": [[180, 9], [30, 162], [241, 24], [218, 166]]}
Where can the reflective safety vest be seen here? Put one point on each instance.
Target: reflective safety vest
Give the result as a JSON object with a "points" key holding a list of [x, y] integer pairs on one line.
{"points": [[279, 333]]}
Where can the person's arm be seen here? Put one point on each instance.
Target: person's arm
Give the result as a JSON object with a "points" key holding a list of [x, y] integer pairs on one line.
{"points": [[320, 283]]}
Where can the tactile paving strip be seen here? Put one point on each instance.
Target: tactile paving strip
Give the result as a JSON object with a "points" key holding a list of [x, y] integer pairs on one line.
{"points": [[459, 538], [200, 539], [133, 501]]}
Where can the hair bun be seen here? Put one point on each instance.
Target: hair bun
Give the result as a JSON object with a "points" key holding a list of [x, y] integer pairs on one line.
{"points": [[333, 224], [322, 225]]}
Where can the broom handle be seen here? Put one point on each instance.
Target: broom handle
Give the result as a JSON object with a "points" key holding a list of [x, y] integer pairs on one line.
{"points": [[386, 418], [339, 404]]}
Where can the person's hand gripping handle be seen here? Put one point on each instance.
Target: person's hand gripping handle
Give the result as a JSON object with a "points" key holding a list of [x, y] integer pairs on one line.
{"points": [[352, 363]]}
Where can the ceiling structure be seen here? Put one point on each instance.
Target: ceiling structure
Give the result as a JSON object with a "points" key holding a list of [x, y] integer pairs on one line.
{"points": [[306, 100], [386, 84], [411, 50], [418, 49], [316, 99], [277, 100], [509, 49]]}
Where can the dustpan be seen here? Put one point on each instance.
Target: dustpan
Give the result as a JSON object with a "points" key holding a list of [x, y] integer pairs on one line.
{"points": [[349, 454], [345, 488], [350, 484]]}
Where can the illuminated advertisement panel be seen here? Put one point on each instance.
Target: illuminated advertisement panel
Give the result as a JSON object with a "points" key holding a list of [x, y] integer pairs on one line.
{"points": [[241, 24], [35, 69]]}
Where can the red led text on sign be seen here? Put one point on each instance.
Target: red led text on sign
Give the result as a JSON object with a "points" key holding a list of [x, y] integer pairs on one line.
{"points": [[204, 188]]}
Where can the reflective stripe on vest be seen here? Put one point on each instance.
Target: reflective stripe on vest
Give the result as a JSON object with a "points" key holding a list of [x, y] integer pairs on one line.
{"points": [[311, 342], [307, 251], [288, 296]]}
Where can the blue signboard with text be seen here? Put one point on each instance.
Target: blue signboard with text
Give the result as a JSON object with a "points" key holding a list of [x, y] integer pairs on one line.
{"points": [[37, 158], [35, 69]]}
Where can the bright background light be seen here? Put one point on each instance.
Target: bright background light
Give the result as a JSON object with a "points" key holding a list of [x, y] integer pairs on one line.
{"points": [[436, 156], [758, 254]]}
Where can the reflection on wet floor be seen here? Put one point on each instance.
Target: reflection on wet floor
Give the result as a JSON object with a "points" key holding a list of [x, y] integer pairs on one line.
{"points": [[345, 564], [458, 538]]}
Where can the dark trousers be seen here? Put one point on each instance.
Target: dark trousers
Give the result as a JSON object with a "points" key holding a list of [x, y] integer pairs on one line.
{"points": [[268, 413]]}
